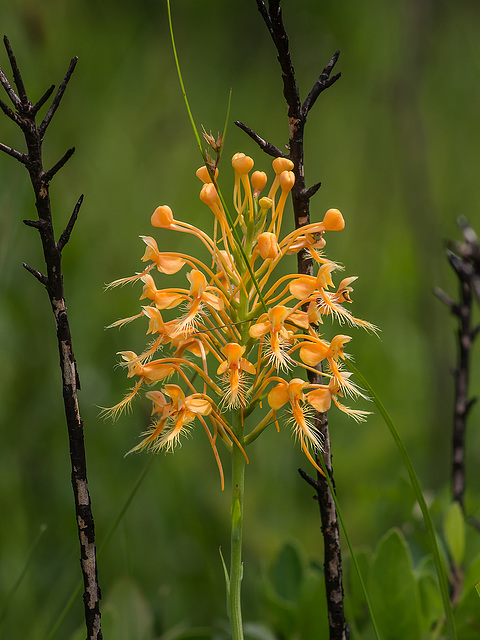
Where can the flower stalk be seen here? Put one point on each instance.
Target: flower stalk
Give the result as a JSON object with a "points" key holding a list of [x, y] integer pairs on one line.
{"points": [[236, 565]]}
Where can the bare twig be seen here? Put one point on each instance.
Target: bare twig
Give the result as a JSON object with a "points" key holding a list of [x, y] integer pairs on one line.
{"points": [[268, 147], [42, 278], [38, 105], [297, 115], [58, 165], [58, 96], [53, 282], [21, 157], [65, 237], [465, 261], [324, 81]]}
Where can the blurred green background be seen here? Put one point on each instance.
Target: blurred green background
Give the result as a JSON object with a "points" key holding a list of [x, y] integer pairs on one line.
{"points": [[396, 144]]}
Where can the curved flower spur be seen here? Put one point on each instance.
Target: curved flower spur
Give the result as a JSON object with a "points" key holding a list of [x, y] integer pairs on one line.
{"points": [[236, 334]]}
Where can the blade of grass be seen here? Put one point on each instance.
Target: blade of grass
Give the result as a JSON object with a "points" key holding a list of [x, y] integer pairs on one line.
{"points": [[442, 576], [352, 553], [106, 540], [212, 176], [13, 590]]}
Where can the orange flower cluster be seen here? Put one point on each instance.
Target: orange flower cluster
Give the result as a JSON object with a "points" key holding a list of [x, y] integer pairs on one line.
{"points": [[240, 334]]}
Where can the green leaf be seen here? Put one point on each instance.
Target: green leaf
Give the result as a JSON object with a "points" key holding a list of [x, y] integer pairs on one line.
{"points": [[312, 607], [467, 616], [257, 631], [287, 573], [394, 590], [355, 601], [442, 576], [430, 597], [472, 574], [126, 613], [454, 528]]}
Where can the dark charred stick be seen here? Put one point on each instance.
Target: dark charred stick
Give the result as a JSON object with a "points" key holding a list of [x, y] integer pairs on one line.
{"points": [[22, 94], [265, 15], [446, 299], [58, 96], [53, 282], [324, 81], [8, 112], [269, 148], [297, 115], [36, 224], [65, 237], [280, 39], [58, 165], [17, 103], [21, 157], [36, 274], [38, 105], [465, 261], [308, 478], [312, 190]]}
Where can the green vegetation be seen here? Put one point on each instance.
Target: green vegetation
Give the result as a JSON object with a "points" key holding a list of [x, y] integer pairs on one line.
{"points": [[395, 143]]}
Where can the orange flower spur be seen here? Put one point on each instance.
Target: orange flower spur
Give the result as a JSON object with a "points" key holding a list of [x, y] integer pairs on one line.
{"points": [[223, 340]]}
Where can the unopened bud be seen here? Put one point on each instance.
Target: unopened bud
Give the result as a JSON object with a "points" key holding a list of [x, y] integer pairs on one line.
{"points": [[258, 180], [282, 164], [333, 220], [242, 164], [208, 194], [204, 175], [287, 180], [162, 217], [265, 203], [268, 245]]}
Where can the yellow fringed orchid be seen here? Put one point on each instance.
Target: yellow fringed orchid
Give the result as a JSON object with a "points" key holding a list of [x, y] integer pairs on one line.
{"points": [[238, 322]]}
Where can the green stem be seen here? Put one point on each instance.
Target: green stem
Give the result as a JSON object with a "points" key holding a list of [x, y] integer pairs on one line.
{"points": [[236, 566]]}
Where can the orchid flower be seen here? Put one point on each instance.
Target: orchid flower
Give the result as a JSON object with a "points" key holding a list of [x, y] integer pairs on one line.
{"points": [[237, 321]]}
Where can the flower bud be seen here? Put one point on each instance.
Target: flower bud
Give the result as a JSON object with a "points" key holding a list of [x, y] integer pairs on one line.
{"points": [[282, 164], [268, 245], [242, 164], [258, 180], [162, 217], [208, 194], [287, 180], [265, 203], [204, 175], [333, 220]]}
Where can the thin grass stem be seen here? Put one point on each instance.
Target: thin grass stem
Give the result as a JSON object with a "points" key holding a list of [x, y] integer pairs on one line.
{"points": [[16, 585], [73, 598], [442, 576]]}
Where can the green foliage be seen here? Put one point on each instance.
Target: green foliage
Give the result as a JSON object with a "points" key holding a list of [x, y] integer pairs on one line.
{"points": [[126, 613], [454, 527], [384, 144], [393, 589], [294, 596], [405, 596]]}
